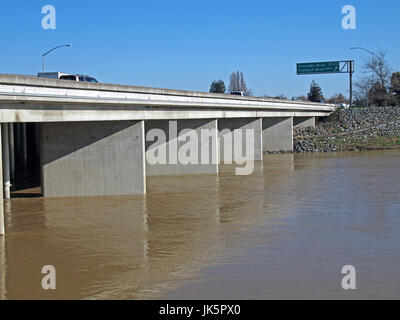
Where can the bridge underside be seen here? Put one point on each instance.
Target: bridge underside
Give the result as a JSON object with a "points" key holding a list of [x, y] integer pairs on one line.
{"points": [[93, 158], [114, 157]]}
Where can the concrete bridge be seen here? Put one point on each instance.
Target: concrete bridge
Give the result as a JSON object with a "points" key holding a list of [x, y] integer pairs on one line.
{"points": [[89, 139]]}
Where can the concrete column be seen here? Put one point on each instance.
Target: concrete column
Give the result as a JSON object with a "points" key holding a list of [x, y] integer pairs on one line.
{"points": [[12, 150], [278, 134], [303, 122], [24, 147], [37, 144], [17, 134], [178, 147], [6, 160], [232, 149], [92, 158], [2, 222]]}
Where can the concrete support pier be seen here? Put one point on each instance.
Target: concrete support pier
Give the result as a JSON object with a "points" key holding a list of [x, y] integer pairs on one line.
{"points": [[234, 137], [6, 161], [24, 146], [12, 150], [303, 122], [92, 158], [277, 134], [2, 222], [36, 138], [179, 147]]}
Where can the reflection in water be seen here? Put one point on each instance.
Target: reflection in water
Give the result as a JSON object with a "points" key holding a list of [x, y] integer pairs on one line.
{"points": [[3, 267], [242, 237]]}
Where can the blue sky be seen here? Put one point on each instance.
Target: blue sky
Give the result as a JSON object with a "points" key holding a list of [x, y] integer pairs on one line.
{"points": [[185, 44]]}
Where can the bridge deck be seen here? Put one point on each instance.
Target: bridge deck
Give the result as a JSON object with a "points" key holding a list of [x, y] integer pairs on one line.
{"points": [[33, 99]]}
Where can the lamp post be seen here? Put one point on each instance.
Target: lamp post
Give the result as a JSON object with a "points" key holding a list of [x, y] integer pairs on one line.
{"points": [[44, 54], [373, 73]]}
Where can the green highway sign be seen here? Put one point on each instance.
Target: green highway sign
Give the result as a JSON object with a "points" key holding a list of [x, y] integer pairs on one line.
{"points": [[345, 66], [318, 67]]}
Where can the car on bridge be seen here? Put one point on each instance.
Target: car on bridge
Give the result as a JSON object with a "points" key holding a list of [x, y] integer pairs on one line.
{"points": [[67, 76], [240, 93], [78, 77]]}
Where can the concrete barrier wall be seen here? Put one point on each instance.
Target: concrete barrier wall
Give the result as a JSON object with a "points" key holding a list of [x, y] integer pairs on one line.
{"points": [[277, 134], [92, 158], [303, 122], [175, 146]]}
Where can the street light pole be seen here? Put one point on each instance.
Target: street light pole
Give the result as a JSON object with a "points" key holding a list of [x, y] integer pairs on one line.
{"points": [[351, 68], [46, 53], [373, 73]]}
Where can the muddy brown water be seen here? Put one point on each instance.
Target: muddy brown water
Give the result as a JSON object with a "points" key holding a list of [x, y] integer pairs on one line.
{"points": [[284, 232]]}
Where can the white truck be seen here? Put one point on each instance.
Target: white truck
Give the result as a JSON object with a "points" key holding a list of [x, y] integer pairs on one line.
{"points": [[66, 76], [52, 75]]}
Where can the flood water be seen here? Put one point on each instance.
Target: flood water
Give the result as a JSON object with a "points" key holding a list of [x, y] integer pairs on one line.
{"points": [[283, 233]]}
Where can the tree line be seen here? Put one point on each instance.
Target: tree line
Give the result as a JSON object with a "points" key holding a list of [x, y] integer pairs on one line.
{"points": [[236, 84], [378, 87]]}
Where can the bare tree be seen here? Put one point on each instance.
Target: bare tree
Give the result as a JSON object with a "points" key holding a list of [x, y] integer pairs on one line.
{"points": [[379, 66], [363, 90], [243, 86], [238, 80], [301, 98], [237, 83], [338, 98], [379, 87], [232, 82]]}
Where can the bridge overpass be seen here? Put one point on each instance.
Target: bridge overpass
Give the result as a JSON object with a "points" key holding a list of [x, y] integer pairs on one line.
{"points": [[90, 139]]}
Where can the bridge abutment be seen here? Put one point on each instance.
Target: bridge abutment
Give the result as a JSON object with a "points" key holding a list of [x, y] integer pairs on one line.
{"points": [[277, 134], [92, 158]]}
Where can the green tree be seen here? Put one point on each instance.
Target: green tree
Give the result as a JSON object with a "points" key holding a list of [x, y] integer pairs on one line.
{"points": [[395, 87], [315, 94], [378, 94], [217, 87]]}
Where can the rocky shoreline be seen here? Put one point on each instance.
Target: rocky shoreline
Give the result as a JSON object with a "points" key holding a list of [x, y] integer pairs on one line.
{"points": [[354, 129]]}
